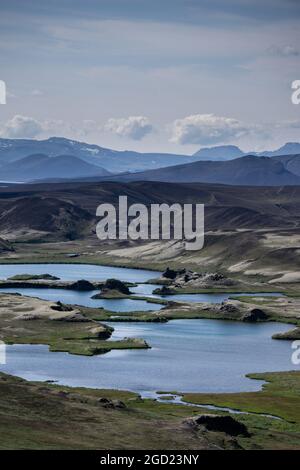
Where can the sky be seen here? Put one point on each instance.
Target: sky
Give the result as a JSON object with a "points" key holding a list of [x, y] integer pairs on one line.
{"points": [[151, 76]]}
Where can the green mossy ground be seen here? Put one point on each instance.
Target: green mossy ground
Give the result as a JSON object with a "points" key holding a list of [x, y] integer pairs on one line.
{"points": [[280, 396], [49, 416], [44, 416]]}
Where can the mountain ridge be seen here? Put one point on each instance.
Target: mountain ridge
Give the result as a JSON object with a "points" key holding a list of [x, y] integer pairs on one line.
{"points": [[245, 171], [17, 163], [112, 160], [36, 166]]}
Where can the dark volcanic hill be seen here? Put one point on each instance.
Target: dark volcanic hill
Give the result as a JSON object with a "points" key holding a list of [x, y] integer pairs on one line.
{"points": [[249, 170], [68, 211], [40, 215], [39, 166], [258, 226]]}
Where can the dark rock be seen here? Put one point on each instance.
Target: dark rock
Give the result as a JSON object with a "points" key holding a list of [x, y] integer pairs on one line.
{"points": [[170, 273], [82, 285], [164, 291], [103, 400], [216, 277], [115, 284], [219, 423], [111, 404], [60, 307], [256, 314]]}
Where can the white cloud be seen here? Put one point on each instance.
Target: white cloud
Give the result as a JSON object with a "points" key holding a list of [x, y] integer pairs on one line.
{"points": [[134, 127], [21, 127], [207, 129], [25, 127]]}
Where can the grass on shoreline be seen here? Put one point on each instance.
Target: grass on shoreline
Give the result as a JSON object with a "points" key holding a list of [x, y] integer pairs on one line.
{"points": [[36, 415], [279, 397]]}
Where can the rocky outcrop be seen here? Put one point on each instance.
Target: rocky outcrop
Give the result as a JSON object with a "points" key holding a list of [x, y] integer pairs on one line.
{"points": [[113, 288], [111, 404], [60, 307], [82, 285], [219, 423], [101, 331], [255, 315], [115, 284], [165, 290], [184, 278], [290, 335], [170, 273]]}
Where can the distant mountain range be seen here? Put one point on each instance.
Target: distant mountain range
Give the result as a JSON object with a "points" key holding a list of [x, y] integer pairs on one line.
{"points": [[229, 152], [40, 166], [249, 170], [58, 158], [112, 160]]}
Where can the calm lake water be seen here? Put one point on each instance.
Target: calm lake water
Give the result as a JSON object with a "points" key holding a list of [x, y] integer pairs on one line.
{"points": [[67, 272], [72, 272], [185, 355]]}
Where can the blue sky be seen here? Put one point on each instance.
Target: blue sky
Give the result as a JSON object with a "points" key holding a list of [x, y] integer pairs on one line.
{"points": [[151, 76]]}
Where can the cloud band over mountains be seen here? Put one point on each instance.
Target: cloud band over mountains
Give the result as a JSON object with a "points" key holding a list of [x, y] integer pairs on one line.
{"points": [[196, 129]]}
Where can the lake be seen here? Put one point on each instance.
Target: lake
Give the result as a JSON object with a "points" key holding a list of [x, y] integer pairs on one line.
{"points": [[185, 355], [72, 272]]}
